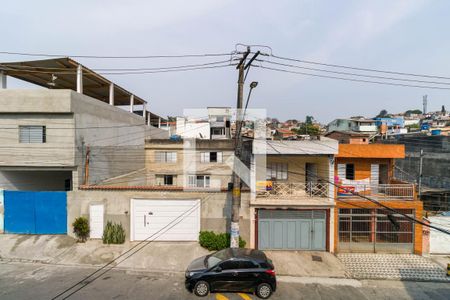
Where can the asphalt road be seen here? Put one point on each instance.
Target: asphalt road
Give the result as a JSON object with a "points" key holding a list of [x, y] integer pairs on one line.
{"points": [[36, 281]]}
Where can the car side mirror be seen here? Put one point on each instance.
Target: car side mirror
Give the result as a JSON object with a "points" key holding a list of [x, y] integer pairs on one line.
{"points": [[218, 269]]}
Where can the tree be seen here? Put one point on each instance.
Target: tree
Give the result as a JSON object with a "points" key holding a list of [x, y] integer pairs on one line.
{"points": [[443, 110], [307, 129], [413, 111], [309, 120], [383, 114]]}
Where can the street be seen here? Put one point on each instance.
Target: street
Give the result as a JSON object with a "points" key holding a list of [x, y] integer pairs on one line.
{"points": [[40, 281]]}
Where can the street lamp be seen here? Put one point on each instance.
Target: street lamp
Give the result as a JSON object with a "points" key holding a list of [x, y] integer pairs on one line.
{"points": [[252, 86]]}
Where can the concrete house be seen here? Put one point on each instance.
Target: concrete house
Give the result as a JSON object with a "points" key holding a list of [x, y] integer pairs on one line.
{"points": [[185, 184], [293, 201], [77, 128], [358, 125], [70, 133], [366, 226]]}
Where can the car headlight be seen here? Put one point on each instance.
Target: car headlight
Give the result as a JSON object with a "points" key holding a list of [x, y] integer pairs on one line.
{"points": [[189, 274]]}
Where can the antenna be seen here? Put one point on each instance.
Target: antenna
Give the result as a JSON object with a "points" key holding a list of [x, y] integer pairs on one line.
{"points": [[425, 102]]}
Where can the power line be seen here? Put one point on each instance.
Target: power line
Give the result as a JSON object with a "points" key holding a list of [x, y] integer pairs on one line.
{"points": [[162, 70], [83, 283], [352, 74], [119, 57], [53, 70], [364, 197], [352, 79], [358, 68]]}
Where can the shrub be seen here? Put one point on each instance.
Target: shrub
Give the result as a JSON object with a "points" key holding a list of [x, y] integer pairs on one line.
{"points": [[217, 241], [113, 233], [81, 229]]}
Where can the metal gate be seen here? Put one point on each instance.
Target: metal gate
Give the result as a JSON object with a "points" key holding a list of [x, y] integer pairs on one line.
{"points": [[292, 229], [35, 212], [375, 230]]}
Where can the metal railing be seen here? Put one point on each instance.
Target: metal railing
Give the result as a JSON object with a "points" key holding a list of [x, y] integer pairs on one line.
{"points": [[378, 191], [285, 189]]}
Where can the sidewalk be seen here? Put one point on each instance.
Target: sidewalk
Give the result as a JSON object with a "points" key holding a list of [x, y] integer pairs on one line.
{"points": [[156, 256]]}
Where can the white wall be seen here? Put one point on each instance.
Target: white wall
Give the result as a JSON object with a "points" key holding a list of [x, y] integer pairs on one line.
{"points": [[439, 241]]}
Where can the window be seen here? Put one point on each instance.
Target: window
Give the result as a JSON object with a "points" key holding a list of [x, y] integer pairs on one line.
{"points": [[230, 265], [277, 171], [247, 264], [218, 131], [220, 119], [206, 157], [199, 181], [32, 134], [165, 179], [350, 171], [165, 157]]}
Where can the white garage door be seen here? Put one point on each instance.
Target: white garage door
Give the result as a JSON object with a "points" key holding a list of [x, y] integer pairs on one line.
{"points": [[165, 220]]}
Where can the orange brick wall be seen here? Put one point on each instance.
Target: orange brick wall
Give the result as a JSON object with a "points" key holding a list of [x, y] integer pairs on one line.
{"points": [[395, 204]]}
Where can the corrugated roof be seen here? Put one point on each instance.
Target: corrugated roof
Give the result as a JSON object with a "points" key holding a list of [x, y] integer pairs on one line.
{"points": [[305, 147], [40, 72]]}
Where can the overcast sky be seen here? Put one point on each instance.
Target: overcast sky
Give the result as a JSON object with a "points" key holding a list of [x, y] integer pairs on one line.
{"points": [[409, 36]]}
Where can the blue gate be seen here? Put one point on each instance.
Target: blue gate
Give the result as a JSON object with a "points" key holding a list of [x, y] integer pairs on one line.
{"points": [[35, 212]]}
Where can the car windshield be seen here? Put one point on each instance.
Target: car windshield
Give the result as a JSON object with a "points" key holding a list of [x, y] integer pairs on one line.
{"points": [[215, 258]]}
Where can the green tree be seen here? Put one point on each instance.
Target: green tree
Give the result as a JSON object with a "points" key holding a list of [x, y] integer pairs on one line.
{"points": [[383, 114], [307, 129]]}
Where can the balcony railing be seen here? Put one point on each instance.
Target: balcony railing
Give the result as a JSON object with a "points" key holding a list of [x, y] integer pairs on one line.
{"points": [[284, 189], [377, 191]]}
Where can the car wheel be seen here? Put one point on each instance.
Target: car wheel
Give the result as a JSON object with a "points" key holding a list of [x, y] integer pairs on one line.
{"points": [[264, 291], [201, 288]]}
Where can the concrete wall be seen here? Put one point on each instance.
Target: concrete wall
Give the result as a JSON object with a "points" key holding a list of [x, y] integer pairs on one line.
{"points": [[35, 101], [215, 207], [73, 122], [57, 151], [115, 138], [34, 180], [436, 160]]}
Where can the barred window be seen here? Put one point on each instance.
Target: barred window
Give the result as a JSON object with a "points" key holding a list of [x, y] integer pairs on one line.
{"points": [[32, 134], [277, 171]]}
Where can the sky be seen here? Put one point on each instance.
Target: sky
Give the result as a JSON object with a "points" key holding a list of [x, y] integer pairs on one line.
{"points": [[408, 36]]}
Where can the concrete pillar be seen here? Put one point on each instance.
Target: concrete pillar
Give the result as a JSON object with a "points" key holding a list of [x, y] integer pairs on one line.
{"points": [[111, 94], [159, 122], [144, 110], [148, 119], [80, 79], [131, 103], [2, 80]]}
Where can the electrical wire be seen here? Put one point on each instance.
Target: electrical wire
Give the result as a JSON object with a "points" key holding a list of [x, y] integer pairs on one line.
{"points": [[351, 79], [95, 275], [358, 68], [352, 74], [119, 57]]}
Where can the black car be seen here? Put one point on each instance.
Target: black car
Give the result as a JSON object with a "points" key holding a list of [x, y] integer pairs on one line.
{"points": [[232, 270]]}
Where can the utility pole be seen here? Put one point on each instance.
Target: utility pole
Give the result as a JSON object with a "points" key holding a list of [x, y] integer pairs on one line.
{"points": [[236, 193], [420, 173]]}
